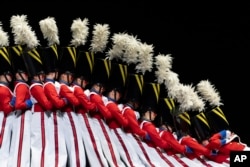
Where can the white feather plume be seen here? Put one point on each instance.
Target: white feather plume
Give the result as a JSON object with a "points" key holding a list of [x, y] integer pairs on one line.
{"points": [[171, 81], [182, 97], [145, 58], [209, 93], [163, 65], [119, 43], [188, 98], [80, 32], [100, 38], [132, 50], [23, 33], [49, 30], [125, 47], [4, 38]]}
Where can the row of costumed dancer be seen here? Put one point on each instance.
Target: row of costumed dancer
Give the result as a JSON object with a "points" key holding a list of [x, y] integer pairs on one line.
{"points": [[94, 105]]}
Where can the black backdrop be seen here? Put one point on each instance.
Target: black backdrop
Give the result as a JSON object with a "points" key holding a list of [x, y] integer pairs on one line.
{"points": [[207, 41]]}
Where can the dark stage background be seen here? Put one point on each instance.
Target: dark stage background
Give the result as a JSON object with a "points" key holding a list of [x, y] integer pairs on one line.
{"points": [[207, 41]]}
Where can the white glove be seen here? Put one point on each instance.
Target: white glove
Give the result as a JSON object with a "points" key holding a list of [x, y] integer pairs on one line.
{"points": [[137, 114]]}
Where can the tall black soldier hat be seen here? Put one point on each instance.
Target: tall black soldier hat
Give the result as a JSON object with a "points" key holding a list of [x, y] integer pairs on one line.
{"points": [[134, 88], [84, 65], [5, 59], [166, 109], [18, 63], [150, 97], [183, 124], [33, 62], [217, 119], [101, 72], [200, 126], [25, 37], [50, 58], [67, 60], [99, 40], [68, 54], [50, 53], [118, 77], [214, 113]]}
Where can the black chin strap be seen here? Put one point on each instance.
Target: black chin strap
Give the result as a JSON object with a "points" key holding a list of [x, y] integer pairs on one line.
{"points": [[82, 83], [40, 80], [6, 78], [20, 74]]}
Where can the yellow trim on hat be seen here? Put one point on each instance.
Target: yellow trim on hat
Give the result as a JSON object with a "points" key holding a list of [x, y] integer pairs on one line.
{"points": [[54, 48], [18, 50], [72, 52], [107, 66], [170, 103], [220, 113], [123, 71], [203, 118], [139, 79], [33, 53], [156, 88], [5, 54], [185, 117], [91, 64]]}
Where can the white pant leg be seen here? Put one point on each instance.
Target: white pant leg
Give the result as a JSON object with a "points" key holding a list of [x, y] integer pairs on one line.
{"points": [[92, 144]]}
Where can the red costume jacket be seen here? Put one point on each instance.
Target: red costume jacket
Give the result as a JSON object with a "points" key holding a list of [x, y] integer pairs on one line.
{"points": [[118, 120], [52, 93], [22, 94], [85, 105], [155, 139], [175, 146], [5, 98], [224, 144], [42, 103], [65, 92], [133, 124], [103, 112]]}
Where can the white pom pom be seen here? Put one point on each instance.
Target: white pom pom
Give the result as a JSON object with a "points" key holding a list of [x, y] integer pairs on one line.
{"points": [[80, 31], [100, 38], [209, 93], [49, 30], [4, 38]]}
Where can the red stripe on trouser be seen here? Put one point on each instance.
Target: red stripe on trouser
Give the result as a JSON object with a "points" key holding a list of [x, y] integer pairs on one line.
{"points": [[164, 158], [179, 160], [92, 138], [109, 142], [2, 130], [56, 139], [144, 151], [75, 139], [124, 147], [20, 140], [204, 162], [43, 138]]}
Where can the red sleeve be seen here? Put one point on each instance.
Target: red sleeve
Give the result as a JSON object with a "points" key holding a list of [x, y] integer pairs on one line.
{"points": [[67, 93], [133, 123], [214, 141], [38, 93], [154, 135], [97, 99], [214, 144], [22, 94], [52, 95], [83, 99], [195, 145], [173, 143], [5, 98], [113, 108]]}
